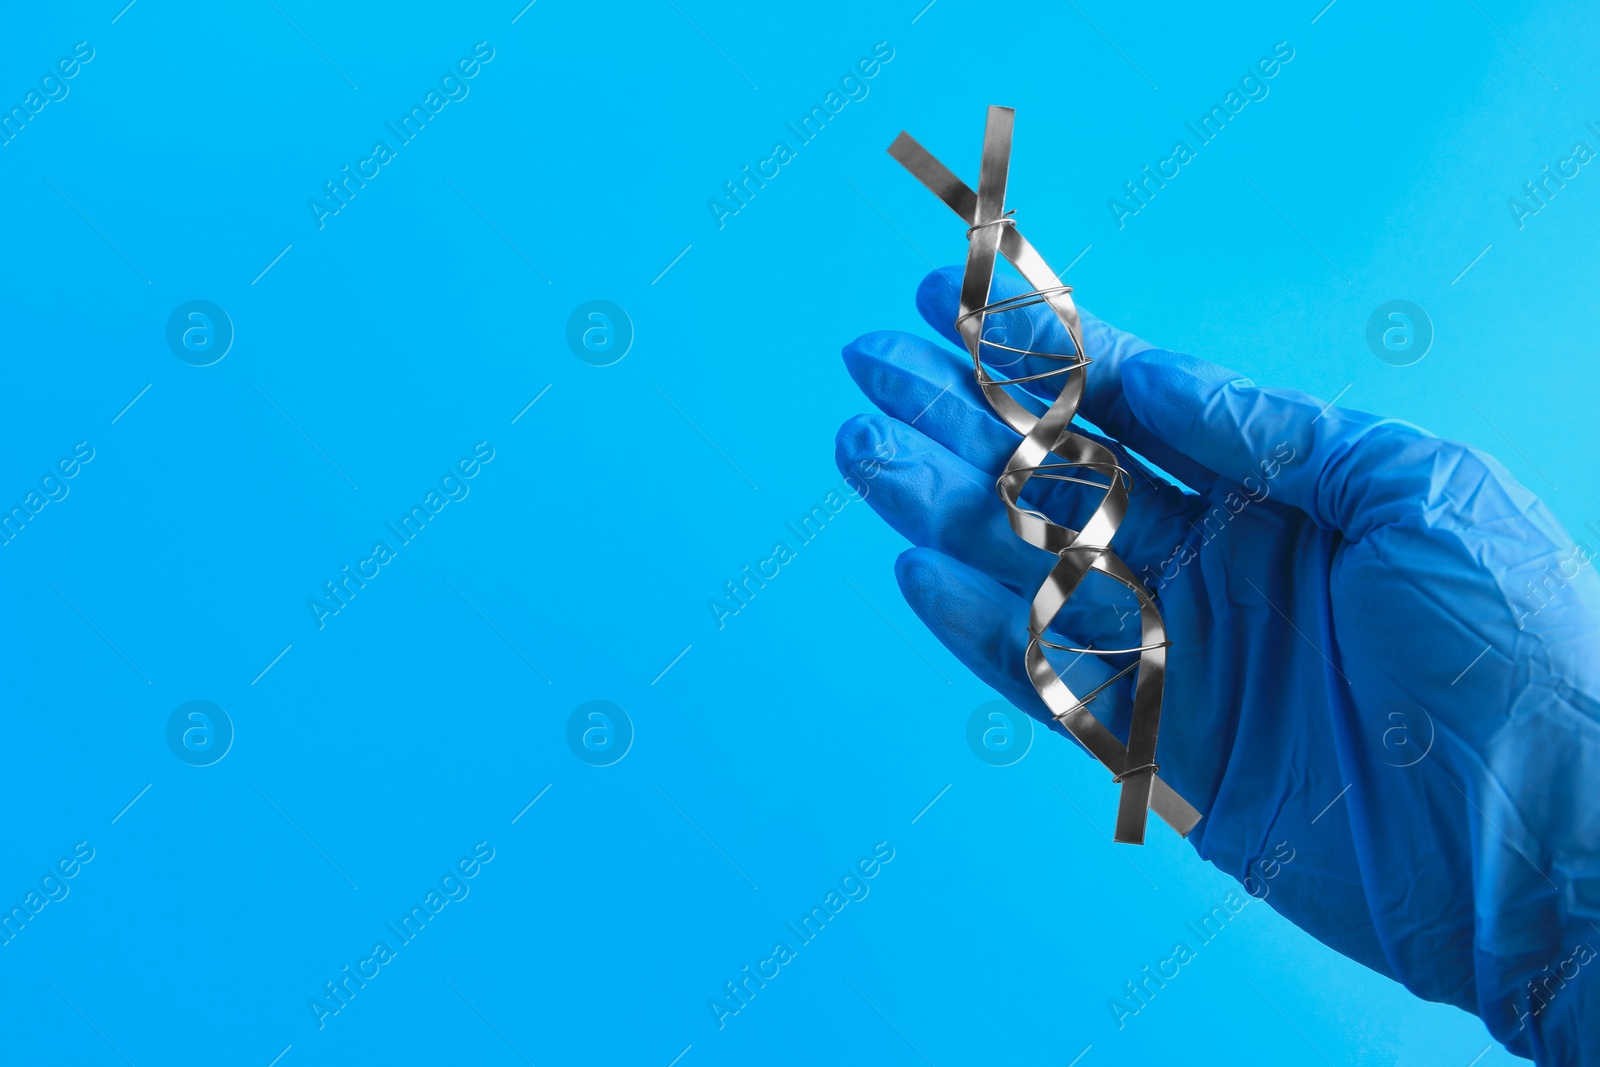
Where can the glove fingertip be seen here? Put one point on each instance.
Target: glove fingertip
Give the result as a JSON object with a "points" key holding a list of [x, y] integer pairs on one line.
{"points": [[856, 437], [912, 571], [926, 578], [870, 346], [938, 295]]}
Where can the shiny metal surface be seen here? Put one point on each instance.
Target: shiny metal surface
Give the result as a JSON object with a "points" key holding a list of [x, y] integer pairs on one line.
{"points": [[1051, 450]]}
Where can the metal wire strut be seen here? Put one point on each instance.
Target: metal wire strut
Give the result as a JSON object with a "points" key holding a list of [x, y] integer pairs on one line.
{"points": [[992, 232]]}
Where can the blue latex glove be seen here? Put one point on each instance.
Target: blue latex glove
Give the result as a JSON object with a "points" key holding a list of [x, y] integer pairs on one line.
{"points": [[1386, 653]]}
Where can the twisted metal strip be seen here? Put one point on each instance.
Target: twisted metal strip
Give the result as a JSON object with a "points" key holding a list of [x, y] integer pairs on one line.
{"points": [[993, 232]]}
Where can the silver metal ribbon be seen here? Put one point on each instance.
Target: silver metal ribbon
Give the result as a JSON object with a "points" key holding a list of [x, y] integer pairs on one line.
{"points": [[993, 232]]}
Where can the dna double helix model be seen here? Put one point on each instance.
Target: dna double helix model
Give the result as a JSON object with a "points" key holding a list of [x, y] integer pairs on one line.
{"points": [[1051, 451]]}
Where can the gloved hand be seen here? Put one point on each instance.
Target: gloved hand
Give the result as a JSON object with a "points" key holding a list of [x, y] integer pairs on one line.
{"points": [[1386, 652]]}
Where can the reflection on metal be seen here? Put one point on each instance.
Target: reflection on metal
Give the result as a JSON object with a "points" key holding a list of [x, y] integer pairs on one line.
{"points": [[992, 232]]}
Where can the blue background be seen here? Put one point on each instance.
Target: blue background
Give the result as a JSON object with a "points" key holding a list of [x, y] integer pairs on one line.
{"points": [[771, 754]]}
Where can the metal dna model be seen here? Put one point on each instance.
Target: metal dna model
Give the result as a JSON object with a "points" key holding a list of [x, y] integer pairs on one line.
{"points": [[992, 232]]}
